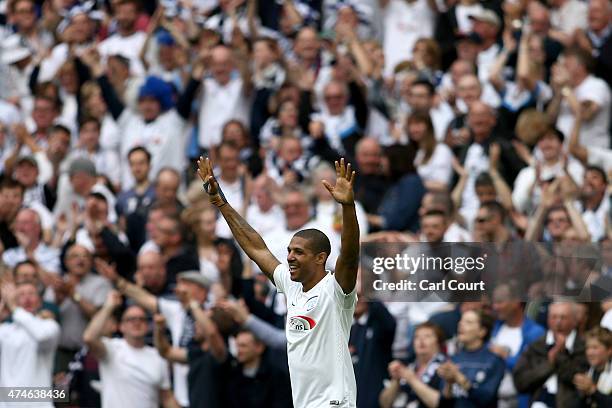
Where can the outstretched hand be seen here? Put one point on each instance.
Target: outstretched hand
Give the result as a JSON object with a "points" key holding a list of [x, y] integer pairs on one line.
{"points": [[210, 183], [345, 178]]}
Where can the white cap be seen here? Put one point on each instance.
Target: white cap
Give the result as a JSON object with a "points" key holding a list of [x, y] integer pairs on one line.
{"points": [[14, 50]]}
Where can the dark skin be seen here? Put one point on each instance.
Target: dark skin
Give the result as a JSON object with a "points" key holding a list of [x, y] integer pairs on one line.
{"points": [[305, 266]]}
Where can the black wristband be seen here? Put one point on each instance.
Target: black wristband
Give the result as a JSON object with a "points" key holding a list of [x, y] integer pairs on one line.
{"points": [[207, 188]]}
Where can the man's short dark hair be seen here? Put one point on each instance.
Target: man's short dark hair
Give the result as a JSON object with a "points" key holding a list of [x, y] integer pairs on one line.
{"points": [[584, 57], [90, 119], [423, 82], [435, 213], [140, 149], [484, 179], [317, 241], [11, 183], [599, 171], [60, 128], [495, 208]]}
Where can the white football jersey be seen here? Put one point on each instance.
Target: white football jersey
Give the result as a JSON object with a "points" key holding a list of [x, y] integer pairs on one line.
{"points": [[318, 328]]}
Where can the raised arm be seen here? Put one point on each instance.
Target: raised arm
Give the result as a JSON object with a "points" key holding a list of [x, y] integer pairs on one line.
{"points": [[248, 239], [210, 330], [93, 333], [131, 290], [348, 261], [163, 346]]}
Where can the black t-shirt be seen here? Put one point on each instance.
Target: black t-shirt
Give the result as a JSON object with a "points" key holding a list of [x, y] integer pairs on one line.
{"points": [[204, 379]]}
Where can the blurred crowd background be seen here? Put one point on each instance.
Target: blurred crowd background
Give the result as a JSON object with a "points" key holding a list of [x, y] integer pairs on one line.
{"points": [[466, 121]]}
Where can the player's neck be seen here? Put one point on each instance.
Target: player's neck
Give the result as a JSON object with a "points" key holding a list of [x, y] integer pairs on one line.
{"points": [[312, 282]]}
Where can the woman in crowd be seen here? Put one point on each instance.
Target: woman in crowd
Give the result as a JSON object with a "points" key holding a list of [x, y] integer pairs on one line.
{"points": [[472, 376], [417, 384], [433, 160]]}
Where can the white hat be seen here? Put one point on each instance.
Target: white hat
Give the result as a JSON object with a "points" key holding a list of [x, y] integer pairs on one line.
{"points": [[486, 16], [14, 50]]}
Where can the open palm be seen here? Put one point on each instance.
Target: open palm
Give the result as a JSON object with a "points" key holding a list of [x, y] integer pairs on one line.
{"points": [[210, 183], [345, 178]]}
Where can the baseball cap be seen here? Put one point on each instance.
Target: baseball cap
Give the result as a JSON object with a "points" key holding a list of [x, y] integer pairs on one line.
{"points": [[27, 159], [486, 16], [195, 277], [82, 164], [14, 50]]}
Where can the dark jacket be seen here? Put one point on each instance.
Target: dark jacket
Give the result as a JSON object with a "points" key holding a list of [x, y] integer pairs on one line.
{"points": [[533, 369], [400, 207], [269, 388], [370, 347]]}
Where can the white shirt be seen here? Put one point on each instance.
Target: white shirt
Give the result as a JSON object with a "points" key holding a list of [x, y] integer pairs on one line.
{"points": [[572, 15], [165, 138], [599, 157], [47, 257], [485, 60], [404, 23], [526, 202], [175, 316], [234, 194], [594, 132], [511, 338], [439, 167], [476, 162], [265, 222], [318, 328], [132, 377], [27, 352], [220, 103], [595, 220], [552, 383], [456, 233], [128, 47]]}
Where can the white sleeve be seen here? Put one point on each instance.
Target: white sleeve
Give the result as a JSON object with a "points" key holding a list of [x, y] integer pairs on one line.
{"points": [[164, 383], [171, 309], [344, 300], [522, 186], [281, 278], [45, 332], [599, 93], [110, 345], [599, 157]]}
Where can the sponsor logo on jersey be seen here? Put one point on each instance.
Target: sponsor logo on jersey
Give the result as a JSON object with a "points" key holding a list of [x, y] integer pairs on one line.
{"points": [[301, 323]]}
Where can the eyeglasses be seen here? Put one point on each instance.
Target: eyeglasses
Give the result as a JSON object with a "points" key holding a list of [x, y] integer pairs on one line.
{"points": [[133, 319], [480, 220], [333, 97]]}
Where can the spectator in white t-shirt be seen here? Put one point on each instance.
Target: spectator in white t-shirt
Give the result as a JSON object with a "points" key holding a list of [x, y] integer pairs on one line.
{"points": [[567, 16], [593, 94], [191, 286], [404, 23], [126, 42], [264, 214], [28, 342], [131, 373], [487, 25], [553, 164], [224, 97]]}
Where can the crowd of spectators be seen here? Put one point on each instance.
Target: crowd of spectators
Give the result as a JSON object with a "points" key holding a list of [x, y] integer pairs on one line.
{"points": [[466, 121]]}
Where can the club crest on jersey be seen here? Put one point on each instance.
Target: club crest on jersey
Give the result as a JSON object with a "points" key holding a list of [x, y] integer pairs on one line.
{"points": [[311, 303], [301, 323]]}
